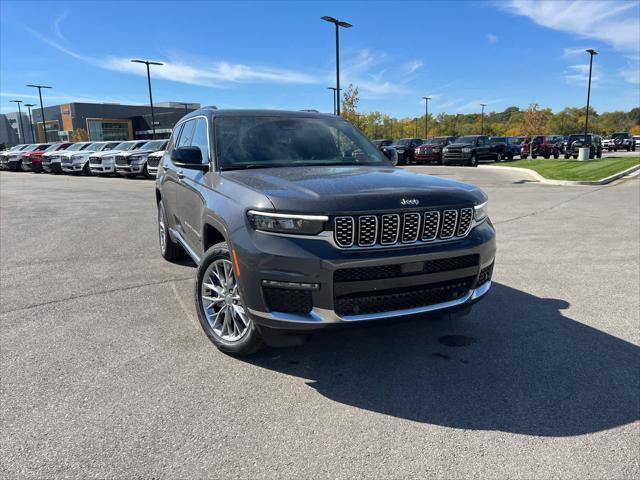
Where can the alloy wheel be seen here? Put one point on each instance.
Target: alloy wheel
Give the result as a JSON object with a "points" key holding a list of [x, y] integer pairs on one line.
{"points": [[221, 302], [162, 229]]}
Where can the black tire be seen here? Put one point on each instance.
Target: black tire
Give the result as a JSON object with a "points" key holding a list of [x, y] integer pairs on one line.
{"points": [[547, 156], [574, 157], [169, 249], [556, 155], [534, 156], [523, 156], [498, 157], [599, 154], [86, 169], [251, 341], [510, 157], [473, 161], [629, 148], [609, 149]]}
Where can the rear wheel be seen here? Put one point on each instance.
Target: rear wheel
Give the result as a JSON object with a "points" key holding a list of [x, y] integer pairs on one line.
{"points": [[534, 156], [221, 311], [556, 155], [169, 249]]}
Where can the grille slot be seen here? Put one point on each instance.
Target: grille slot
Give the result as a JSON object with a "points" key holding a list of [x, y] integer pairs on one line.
{"points": [[344, 231], [430, 227], [367, 230], [449, 219], [407, 228], [95, 160], [485, 275], [410, 227], [121, 160], [466, 217], [390, 229]]}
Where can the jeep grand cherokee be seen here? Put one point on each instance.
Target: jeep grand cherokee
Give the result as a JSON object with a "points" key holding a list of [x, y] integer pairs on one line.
{"points": [[297, 222]]}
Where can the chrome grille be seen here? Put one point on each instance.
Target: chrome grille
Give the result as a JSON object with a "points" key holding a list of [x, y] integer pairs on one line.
{"points": [[121, 160], [430, 226], [408, 228], [449, 218], [66, 159], [367, 230], [466, 217], [344, 231], [390, 229], [95, 160]]}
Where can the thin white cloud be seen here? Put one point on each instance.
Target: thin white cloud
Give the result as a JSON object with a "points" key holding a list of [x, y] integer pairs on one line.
{"points": [[474, 106], [413, 66], [612, 21], [570, 52], [69, 98], [579, 74], [491, 38], [56, 26], [631, 73]]}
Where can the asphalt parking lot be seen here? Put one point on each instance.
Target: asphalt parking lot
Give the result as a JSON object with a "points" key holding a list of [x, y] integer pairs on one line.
{"points": [[106, 373]]}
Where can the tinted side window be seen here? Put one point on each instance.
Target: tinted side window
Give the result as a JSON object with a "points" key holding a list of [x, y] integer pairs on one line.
{"points": [[174, 138], [187, 133], [201, 139]]}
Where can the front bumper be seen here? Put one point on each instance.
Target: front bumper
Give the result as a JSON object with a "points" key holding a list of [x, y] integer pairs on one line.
{"points": [[429, 157], [102, 168], [272, 258], [456, 157], [72, 167], [51, 167], [129, 169]]}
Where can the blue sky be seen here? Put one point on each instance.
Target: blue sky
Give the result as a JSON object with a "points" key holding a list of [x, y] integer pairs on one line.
{"points": [[281, 55]]}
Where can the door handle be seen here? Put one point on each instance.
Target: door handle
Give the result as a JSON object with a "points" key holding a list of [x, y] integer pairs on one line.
{"points": [[180, 174]]}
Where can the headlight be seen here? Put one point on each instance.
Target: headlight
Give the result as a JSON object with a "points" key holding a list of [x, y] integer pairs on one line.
{"points": [[287, 223], [76, 157], [466, 150], [435, 150], [136, 158], [481, 211], [445, 150]]}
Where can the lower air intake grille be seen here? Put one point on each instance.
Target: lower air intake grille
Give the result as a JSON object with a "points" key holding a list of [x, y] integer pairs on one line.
{"points": [[485, 275], [402, 298], [288, 300]]}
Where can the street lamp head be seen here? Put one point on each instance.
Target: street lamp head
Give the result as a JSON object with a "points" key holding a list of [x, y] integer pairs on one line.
{"points": [[16, 101], [345, 24], [38, 86], [591, 51], [146, 62], [326, 18], [29, 104], [426, 98], [337, 22]]}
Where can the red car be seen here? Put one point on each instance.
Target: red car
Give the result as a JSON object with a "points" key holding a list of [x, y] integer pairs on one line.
{"points": [[546, 146], [33, 160], [431, 150]]}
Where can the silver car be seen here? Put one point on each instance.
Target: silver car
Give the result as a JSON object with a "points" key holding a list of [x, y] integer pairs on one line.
{"points": [[135, 162], [79, 162], [104, 163]]}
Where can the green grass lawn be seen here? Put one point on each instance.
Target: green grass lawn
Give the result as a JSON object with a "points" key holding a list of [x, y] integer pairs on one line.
{"points": [[596, 169]]}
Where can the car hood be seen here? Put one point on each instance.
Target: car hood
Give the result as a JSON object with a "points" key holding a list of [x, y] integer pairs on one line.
{"points": [[107, 152], [354, 189], [461, 145]]}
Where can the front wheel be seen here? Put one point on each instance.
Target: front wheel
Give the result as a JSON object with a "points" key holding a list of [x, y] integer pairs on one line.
{"points": [[523, 156], [534, 156], [499, 157], [221, 311], [556, 155], [145, 171], [473, 161]]}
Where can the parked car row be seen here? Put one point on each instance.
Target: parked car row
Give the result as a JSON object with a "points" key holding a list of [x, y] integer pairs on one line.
{"points": [[128, 158]]}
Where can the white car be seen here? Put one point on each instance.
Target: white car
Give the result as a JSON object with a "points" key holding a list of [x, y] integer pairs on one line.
{"points": [[607, 143], [153, 160], [4, 155], [79, 161], [134, 162], [52, 161], [104, 163]]}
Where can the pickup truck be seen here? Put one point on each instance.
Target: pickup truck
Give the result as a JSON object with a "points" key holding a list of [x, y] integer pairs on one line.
{"points": [[509, 146], [469, 149]]}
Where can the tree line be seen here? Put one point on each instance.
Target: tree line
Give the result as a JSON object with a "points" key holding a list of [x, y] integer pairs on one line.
{"points": [[513, 121]]}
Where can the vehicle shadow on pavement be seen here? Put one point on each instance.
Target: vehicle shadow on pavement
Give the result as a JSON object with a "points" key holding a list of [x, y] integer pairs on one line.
{"points": [[526, 368]]}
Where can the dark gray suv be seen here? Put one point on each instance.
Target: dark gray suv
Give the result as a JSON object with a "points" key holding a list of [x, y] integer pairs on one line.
{"points": [[298, 222]]}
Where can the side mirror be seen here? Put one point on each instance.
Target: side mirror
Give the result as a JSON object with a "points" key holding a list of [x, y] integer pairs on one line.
{"points": [[391, 154], [189, 157]]}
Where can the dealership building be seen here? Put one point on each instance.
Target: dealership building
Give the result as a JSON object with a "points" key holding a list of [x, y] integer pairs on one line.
{"points": [[106, 121]]}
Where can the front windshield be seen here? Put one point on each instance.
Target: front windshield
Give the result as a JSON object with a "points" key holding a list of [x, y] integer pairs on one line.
{"points": [[466, 140], [573, 138], [76, 146], [124, 146], [95, 146], [138, 146], [52, 147], [403, 142], [276, 141], [154, 145], [436, 141]]}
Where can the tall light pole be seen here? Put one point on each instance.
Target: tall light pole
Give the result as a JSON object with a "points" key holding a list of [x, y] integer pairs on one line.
{"points": [[482, 119], [338, 24], [591, 53], [20, 126], [153, 118], [416, 122], [29, 105], [426, 117], [186, 109], [44, 123], [335, 93]]}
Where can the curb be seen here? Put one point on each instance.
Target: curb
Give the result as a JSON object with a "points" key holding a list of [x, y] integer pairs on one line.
{"points": [[547, 181]]}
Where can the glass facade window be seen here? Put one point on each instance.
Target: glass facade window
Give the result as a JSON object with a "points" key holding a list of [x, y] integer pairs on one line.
{"points": [[108, 130]]}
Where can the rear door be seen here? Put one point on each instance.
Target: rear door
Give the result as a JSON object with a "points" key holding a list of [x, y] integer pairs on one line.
{"points": [[191, 199]]}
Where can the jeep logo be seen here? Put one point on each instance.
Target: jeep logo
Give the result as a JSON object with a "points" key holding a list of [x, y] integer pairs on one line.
{"points": [[410, 201]]}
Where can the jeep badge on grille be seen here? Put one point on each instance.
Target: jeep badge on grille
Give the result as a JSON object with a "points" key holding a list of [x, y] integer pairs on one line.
{"points": [[410, 201]]}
